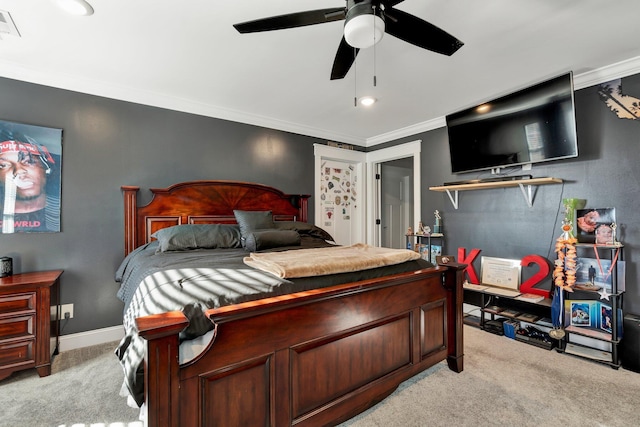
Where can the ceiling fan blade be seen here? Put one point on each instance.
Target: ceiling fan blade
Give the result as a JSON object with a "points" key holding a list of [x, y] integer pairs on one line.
{"points": [[292, 20], [390, 3], [420, 33], [345, 56]]}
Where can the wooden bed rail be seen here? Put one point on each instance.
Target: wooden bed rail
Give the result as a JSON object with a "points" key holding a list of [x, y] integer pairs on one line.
{"points": [[299, 333]]}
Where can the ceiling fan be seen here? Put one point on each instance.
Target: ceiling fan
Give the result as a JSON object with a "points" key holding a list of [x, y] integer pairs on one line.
{"points": [[365, 23]]}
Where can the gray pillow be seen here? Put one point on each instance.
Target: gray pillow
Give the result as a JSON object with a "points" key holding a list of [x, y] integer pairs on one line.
{"points": [[198, 236], [253, 220], [267, 239]]}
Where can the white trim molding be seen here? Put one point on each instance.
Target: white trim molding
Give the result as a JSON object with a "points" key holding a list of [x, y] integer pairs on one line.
{"points": [[89, 338], [580, 81]]}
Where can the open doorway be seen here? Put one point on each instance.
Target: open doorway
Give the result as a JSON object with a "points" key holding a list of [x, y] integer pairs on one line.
{"points": [[404, 162], [396, 201]]}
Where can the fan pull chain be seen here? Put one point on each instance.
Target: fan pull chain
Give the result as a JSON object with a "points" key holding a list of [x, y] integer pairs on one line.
{"points": [[355, 79], [374, 46]]}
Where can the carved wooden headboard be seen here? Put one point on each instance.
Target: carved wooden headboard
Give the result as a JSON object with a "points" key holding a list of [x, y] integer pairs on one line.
{"points": [[203, 202]]}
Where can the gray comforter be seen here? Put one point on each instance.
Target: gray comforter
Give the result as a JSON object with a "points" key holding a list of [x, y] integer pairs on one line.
{"points": [[193, 281]]}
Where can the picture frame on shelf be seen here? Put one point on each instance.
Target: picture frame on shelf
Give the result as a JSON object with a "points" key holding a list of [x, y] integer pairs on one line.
{"points": [[606, 318], [599, 273], [500, 272], [581, 313], [595, 225], [423, 250], [436, 251], [600, 319]]}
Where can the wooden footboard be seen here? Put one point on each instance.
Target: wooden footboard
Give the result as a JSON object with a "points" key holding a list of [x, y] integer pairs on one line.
{"points": [[312, 358]]}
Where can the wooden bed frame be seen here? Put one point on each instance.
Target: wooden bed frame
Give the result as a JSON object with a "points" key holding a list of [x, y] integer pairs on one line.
{"points": [[311, 358]]}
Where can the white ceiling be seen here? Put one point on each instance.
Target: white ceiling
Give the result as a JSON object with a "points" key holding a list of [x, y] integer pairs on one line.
{"points": [[187, 56]]}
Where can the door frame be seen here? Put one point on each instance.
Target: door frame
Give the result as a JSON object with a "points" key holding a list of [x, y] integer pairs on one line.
{"points": [[373, 158], [367, 226]]}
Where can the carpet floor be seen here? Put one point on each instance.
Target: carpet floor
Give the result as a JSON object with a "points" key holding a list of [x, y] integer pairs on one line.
{"points": [[504, 383]]}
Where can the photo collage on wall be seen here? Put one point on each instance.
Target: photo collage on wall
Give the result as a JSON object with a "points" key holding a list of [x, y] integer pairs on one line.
{"points": [[337, 193]]}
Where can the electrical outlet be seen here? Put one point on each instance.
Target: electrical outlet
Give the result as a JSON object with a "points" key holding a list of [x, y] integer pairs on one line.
{"points": [[65, 308]]}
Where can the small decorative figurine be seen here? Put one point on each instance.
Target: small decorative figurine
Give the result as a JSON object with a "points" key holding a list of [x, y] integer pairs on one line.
{"points": [[420, 229], [409, 231], [437, 226]]}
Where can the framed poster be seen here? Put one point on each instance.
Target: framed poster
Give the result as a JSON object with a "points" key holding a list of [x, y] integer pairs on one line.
{"points": [[30, 175]]}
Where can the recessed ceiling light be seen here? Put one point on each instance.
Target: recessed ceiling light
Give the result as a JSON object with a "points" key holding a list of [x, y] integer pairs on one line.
{"points": [[367, 101], [75, 7]]}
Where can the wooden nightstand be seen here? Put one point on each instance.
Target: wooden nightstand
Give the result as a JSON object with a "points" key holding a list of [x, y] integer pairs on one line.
{"points": [[29, 333]]}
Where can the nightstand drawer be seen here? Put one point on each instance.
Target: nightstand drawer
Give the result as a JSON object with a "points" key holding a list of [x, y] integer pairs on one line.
{"points": [[17, 302], [17, 326], [16, 352], [29, 337]]}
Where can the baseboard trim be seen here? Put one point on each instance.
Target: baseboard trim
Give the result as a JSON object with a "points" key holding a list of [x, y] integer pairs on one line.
{"points": [[89, 338]]}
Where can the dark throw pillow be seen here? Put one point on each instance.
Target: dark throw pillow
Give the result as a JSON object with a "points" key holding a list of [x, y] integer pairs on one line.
{"points": [[249, 221], [268, 239], [198, 236], [304, 228]]}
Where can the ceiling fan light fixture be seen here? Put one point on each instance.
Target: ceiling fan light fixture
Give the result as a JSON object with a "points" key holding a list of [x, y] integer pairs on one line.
{"points": [[363, 26], [75, 7]]}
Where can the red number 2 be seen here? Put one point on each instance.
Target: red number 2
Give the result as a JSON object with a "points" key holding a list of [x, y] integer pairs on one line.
{"points": [[527, 287]]}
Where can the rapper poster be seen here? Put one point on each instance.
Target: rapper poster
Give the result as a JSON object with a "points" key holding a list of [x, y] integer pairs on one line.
{"points": [[30, 171]]}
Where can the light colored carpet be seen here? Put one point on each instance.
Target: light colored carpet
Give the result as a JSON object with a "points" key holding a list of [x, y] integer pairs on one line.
{"points": [[504, 383], [82, 391], [509, 383]]}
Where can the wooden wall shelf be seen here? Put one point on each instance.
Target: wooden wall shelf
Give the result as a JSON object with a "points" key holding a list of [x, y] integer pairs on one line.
{"points": [[526, 186]]}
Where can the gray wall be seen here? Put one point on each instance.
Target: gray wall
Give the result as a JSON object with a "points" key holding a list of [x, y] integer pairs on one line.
{"points": [[500, 223], [107, 144]]}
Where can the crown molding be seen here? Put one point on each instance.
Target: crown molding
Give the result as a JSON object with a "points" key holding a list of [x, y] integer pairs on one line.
{"points": [[580, 81], [153, 99], [85, 85]]}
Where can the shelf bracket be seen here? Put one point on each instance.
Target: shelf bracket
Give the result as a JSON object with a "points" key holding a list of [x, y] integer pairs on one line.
{"points": [[528, 194], [453, 198]]}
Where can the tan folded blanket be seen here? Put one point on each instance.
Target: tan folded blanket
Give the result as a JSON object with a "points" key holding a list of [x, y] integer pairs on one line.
{"points": [[323, 261]]}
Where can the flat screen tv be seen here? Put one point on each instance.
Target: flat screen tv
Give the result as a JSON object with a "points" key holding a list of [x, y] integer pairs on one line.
{"points": [[532, 125]]}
